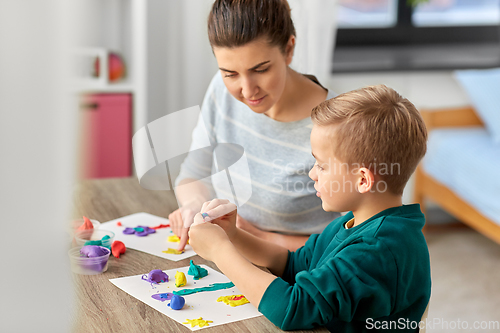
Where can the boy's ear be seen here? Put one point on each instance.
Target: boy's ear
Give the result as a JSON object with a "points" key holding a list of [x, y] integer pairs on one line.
{"points": [[365, 181]]}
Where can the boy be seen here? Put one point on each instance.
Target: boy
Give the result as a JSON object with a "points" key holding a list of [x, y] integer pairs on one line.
{"points": [[369, 269]]}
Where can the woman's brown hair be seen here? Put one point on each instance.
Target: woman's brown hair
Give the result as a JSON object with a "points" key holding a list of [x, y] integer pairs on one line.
{"points": [[233, 23]]}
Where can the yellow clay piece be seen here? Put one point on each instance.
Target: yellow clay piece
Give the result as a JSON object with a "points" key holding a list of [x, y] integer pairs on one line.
{"points": [[173, 251], [233, 300], [180, 279], [200, 322]]}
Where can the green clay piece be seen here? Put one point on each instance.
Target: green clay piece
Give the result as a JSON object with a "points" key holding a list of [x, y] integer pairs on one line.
{"points": [[106, 237], [139, 229], [198, 272], [93, 242], [211, 287]]}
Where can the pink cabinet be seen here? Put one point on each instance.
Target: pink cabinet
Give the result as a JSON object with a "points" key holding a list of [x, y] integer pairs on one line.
{"points": [[107, 135]]}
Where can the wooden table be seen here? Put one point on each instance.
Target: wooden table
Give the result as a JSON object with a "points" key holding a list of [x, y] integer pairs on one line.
{"points": [[101, 306]]}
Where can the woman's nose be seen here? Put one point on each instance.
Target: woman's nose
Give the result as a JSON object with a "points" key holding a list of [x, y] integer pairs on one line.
{"points": [[249, 88]]}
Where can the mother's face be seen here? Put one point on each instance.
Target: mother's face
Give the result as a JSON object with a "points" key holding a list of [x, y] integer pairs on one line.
{"points": [[256, 72]]}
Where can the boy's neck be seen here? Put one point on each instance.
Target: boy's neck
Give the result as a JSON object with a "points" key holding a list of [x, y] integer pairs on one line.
{"points": [[373, 205]]}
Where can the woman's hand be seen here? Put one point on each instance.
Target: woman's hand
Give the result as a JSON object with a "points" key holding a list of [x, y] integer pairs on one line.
{"points": [[180, 221], [207, 238]]}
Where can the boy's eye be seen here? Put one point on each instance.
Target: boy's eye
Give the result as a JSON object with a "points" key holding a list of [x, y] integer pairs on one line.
{"points": [[319, 167], [262, 70], [229, 75]]}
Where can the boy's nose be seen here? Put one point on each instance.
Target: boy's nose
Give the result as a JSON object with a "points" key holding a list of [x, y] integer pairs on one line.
{"points": [[312, 173]]}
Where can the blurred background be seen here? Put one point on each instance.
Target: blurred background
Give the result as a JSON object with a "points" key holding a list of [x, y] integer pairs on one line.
{"points": [[79, 78]]}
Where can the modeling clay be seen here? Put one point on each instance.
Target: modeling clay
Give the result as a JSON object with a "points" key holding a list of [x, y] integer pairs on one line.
{"points": [[198, 272], [233, 300], [200, 322], [161, 226], [118, 248], [173, 239], [211, 287], [119, 223], [180, 279], [93, 242], [86, 224], [204, 215], [163, 297], [177, 302], [173, 251], [92, 251], [105, 241], [156, 276], [140, 231]]}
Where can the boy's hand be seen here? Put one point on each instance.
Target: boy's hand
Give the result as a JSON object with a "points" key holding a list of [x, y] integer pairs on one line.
{"points": [[207, 238], [223, 213]]}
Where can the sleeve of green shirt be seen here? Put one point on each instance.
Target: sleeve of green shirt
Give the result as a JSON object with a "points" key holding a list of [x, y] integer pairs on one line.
{"points": [[359, 282], [300, 259]]}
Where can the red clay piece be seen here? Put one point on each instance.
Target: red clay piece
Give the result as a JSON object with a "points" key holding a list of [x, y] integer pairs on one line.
{"points": [[119, 223], [87, 225], [118, 248], [161, 226]]}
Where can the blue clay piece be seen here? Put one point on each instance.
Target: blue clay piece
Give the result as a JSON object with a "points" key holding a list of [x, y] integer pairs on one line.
{"points": [[139, 229], [156, 276], [177, 302], [163, 297], [92, 251], [106, 237]]}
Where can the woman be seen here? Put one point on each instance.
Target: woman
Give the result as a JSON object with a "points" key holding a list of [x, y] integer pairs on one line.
{"points": [[258, 102]]}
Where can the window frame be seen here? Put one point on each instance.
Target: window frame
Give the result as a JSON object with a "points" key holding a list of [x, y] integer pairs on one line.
{"points": [[405, 33]]}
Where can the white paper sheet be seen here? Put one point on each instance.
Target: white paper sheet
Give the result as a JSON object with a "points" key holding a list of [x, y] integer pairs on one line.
{"points": [[153, 243], [202, 304]]}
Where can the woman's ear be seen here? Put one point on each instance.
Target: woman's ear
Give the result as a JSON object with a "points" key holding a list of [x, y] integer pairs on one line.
{"points": [[290, 47], [366, 180]]}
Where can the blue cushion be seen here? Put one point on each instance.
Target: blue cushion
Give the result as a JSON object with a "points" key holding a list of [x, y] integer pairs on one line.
{"points": [[483, 88], [465, 160]]}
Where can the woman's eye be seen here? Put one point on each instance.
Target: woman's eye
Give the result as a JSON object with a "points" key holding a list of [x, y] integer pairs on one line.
{"points": [[229, 75], [262, 70], [319, 168]]}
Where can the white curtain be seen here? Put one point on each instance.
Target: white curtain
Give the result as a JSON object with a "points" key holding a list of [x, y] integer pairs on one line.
{"points": [[316, 25]]}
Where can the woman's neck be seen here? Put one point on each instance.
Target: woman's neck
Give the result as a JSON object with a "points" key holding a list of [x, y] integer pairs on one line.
{"points": [[299, 96]]}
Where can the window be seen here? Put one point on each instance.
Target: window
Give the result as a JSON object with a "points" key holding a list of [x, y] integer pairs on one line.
{"points": [[436, 26]]}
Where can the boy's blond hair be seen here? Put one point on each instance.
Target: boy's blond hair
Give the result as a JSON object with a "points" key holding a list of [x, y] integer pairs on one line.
{"points": [[377, 128]]}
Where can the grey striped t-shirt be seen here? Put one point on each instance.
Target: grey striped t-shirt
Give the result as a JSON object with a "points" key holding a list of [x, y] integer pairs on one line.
{"points": [[279, 158]]}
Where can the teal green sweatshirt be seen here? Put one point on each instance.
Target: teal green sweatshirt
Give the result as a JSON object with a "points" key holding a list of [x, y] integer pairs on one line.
{"points": [[374, 275]]}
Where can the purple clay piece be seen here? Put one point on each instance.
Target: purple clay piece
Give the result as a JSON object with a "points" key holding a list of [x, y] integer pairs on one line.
{"points": [[177, 302], [163, 297], [141, 234], [156, 276], [129, 231], [92, 251], [150, 230]]}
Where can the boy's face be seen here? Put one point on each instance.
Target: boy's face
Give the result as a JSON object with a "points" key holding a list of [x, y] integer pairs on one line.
{"points": [[335, 182]]}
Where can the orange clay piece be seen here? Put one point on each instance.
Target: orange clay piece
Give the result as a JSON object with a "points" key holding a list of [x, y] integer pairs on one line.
{"points": [[118, 248], [87, 225]]}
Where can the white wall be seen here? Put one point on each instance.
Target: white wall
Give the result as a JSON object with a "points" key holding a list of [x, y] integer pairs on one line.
{"points": [[37, 154], [436, 89]]}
